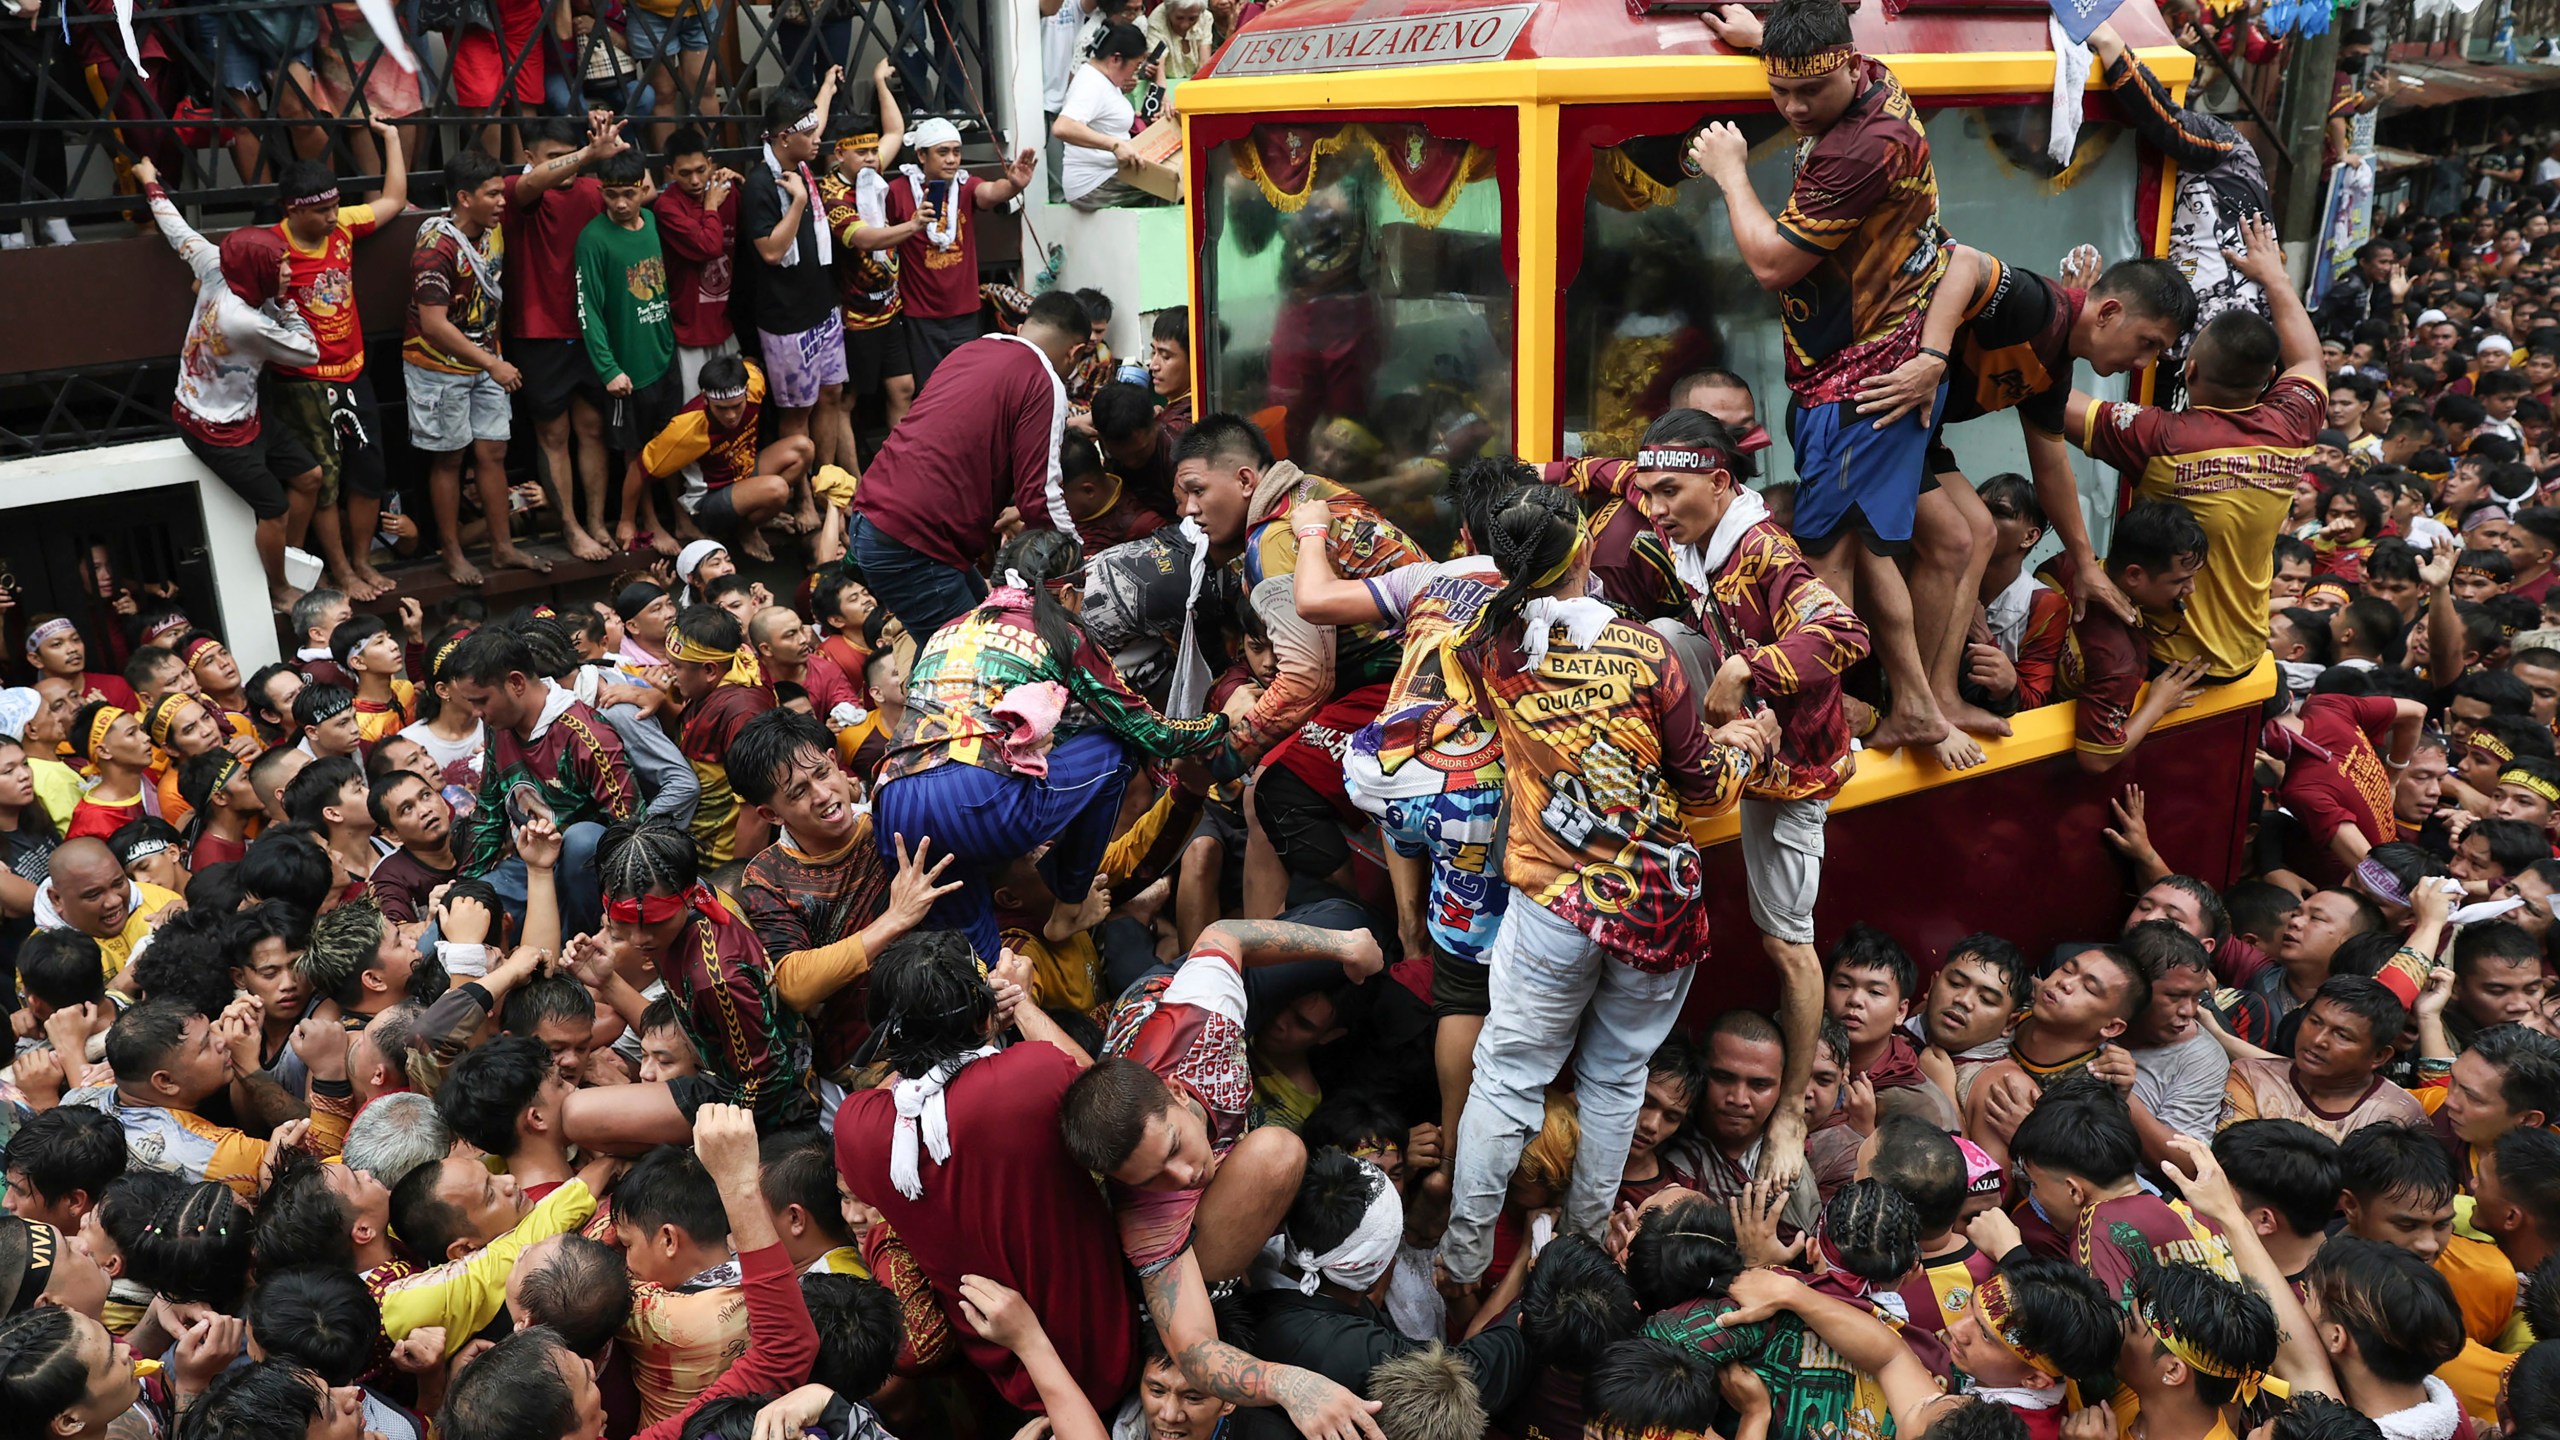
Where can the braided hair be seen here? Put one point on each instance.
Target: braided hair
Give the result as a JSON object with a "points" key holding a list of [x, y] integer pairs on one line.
{"points": [[646, 855], [1531, 540], [40, 1371], [1041, 556], [551, 644], [1480, 487]]}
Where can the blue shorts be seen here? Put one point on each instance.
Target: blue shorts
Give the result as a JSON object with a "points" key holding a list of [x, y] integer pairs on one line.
{"points": [[1456, 829], [659, 37], [1852, 476]]}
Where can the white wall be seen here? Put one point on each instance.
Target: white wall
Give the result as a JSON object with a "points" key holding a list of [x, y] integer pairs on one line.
{"points": [[1133, 256], [230, 531]]}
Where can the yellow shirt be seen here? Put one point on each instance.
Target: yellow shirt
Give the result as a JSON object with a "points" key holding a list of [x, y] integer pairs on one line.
{"points": [[58, 788], [2483, 1279], [464, 1295], [116, 949]]}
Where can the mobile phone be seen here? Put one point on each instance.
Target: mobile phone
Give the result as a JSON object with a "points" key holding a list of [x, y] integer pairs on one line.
{"points": [[523, 803]]}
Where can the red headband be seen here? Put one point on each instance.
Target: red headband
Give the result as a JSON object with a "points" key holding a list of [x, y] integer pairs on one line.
{"points": [[645, 909], [659, 909]]}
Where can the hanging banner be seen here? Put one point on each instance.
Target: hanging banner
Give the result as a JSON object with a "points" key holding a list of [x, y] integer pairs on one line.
{"points": [[2346, 222]]}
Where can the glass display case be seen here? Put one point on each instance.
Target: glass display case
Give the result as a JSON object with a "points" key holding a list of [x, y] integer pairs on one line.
{"points": [[1357, 276]]}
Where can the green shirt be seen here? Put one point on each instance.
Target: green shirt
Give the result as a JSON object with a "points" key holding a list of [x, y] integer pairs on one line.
{"points": [[622, 300]]}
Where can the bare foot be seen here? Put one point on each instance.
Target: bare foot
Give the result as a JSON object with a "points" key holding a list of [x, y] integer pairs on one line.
{"points": [[1958, 751], [1901, 728], [752, 545], [683, 528], [282, 596], [666, 545], [1782, 1151], [1973, 719], [511, 558], [353, 585], [461, 571], [806, 518], [1146, 904], [382, 584], [586, 546]]}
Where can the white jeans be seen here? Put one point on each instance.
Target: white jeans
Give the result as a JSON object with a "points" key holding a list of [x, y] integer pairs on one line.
{"points": [[1552, 986]]}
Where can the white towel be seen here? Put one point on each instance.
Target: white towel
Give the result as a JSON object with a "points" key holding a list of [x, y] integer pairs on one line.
{"points": [[920, 1109], [2071, 62]]}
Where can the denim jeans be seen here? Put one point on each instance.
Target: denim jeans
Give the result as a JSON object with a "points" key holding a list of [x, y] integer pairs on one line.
{"points": [[922, 592], [1552, 987], [834, 46], [927, 60]]}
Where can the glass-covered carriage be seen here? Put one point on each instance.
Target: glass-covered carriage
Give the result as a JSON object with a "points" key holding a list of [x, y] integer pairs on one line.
{"points": [[1424, 229]]}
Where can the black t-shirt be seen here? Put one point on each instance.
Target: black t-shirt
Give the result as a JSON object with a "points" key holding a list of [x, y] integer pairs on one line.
{"points": [[787, 298], [2014, 351]]}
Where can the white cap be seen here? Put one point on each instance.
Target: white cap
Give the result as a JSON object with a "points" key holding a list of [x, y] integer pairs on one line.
{"points": [[693, 555], [936, 131]]}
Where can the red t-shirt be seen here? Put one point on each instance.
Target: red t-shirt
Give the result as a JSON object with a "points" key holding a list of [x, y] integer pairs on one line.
{"points": [[937, 282], [542, 240], [2341, 783], [1012, 1205], [323, 288], [212, 849], [701, 249]]}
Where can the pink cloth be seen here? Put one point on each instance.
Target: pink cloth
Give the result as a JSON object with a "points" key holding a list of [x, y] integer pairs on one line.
{"points": [[1030, 716]]}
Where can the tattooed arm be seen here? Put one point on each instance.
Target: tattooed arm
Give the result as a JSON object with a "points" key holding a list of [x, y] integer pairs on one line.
{"points": [[1247, 943], [1178, 1302]]}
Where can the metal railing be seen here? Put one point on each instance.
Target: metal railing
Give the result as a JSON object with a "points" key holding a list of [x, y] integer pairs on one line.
{"points": [[75, 111]]}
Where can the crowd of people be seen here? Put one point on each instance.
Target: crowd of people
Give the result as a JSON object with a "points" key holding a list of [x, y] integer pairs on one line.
{"points": [[622, 1020]]}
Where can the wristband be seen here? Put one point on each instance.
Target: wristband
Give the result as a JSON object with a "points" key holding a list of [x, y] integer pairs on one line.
{"points": [[1939, 355], [461, 959], [1313, 532]]}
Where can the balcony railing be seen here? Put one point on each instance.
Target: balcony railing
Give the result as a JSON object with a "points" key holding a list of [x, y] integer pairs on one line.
{"points": [[234, 86]]}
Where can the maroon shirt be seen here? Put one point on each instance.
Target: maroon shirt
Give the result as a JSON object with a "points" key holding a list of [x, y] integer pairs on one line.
{"points": [[701, 251], [542, 240], [401, 883], [934, 282], [1012, 1205], [985, 427]]}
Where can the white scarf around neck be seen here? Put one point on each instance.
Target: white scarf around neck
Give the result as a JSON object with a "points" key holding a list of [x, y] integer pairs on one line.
{"points": [[811, 206], [922, 1115], [1698, 565]]}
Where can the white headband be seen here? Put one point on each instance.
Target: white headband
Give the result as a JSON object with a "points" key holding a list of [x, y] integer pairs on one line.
{"points": [[1366, 1252], [801, 126]]}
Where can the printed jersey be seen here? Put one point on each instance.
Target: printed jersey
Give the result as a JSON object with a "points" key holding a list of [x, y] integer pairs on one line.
{"points": [[2014, 351], [1866, 202], [727, 454], [1188, 1028], [322, 285], [1607, 762], [866, 280], [972, 664], [2234, 470]]}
